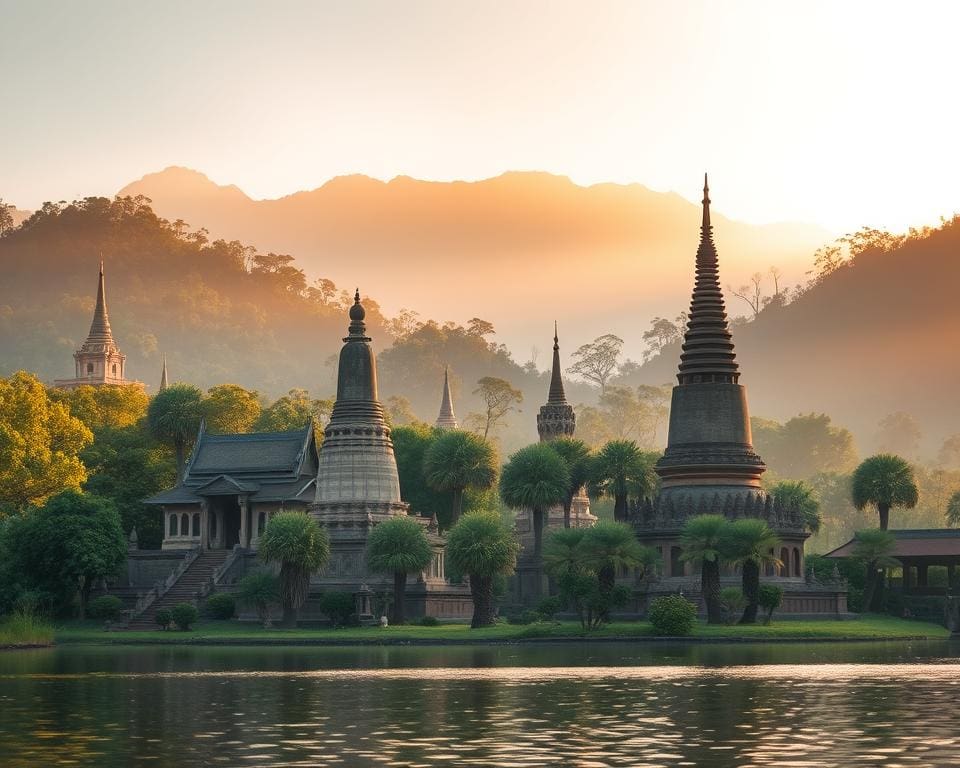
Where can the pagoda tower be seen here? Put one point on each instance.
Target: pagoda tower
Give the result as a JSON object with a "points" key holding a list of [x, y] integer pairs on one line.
{"points": [[99, 360], [709, 465], [556, 419], [446, 418], [164, 378]]}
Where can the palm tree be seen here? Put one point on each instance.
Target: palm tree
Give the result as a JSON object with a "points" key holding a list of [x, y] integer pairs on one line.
{"points": [[884, 481], [751, 544], [953, 510], [458, 460], [562, 554], [702, 539], [398, 546], [872, 548], [576, 454], [301, 546], [799, 496], [174, 417], [609, 547], [535, 478], [621, 469], [482, 547]]}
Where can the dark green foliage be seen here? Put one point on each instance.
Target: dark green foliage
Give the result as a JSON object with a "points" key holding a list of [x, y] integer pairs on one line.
{"points": [[884, 481], [749, 542], [127, 465], [221, 606], [399, 546], [526, 617], [800, 497], [549, 607], [770, 598], [732, 602], [184, 615], [105, 607], [457, 460], [301, 547], [872, 547], [174, 417], [672, 615], [429, 621], [338, 607], [953, 510], [701, 539], [576, 455], [164, 617], [258, 590], [63, 548], [620, 469]]}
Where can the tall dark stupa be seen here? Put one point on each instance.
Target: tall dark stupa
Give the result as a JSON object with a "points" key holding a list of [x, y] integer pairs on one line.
{"points": [[710, 465]]}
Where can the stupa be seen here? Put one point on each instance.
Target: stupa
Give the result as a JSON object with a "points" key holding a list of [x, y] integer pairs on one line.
{"points": [[446, 419]]}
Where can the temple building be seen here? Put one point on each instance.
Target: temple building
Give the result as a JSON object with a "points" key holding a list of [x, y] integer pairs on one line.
{"points": [[710, 465], [98, 361], [233, 484], [446, 418]]}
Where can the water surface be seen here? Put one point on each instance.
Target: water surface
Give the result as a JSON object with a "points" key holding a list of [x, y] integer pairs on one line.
{"points": [[585, 705]]}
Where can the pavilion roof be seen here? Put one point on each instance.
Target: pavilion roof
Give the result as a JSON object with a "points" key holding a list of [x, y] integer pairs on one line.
{"points": [[915, 542]]}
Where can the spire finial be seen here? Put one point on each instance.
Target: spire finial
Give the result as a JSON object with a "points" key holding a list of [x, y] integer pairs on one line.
{"points": [[356, 296], [556, 338], [358, 330], [706, 202]]}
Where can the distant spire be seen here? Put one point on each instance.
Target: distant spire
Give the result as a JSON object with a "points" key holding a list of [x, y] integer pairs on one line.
{"points": [[708, 353], [556, 396], [164, 380], [358, 329], [100, 332], [446, 419]]}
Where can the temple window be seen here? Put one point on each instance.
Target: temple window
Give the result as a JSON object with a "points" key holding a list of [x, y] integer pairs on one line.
{"points": [[769, 570], [213, 526], [172, 529], [261, 523], [196, 523], [797, 570], [785, 562], [114, 369], [676, 564], [89, 369], [184, 524]]}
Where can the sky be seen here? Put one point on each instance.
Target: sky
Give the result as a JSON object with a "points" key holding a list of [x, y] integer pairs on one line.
{"points": [[841, 114]]}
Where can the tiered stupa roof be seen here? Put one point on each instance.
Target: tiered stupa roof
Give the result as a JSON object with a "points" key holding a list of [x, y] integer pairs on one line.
{"points": [[446, 418]]}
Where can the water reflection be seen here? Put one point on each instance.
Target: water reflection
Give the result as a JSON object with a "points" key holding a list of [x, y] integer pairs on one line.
{"points": [[532, 706]]}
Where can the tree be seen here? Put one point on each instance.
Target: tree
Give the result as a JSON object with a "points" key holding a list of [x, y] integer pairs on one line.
{"points": [[702, 540], [576, 455], [949, 453], [884, 481], [259, 589], [535, 478], [398, 546], [953, 510], [105, 407], [400, 411], [230, 409], [662, 333], [40, 443], [301, 547], [499, 398], [620, 469], [749, 543], [482, 547], [597, 361], [294, 410], [799, 496], [64, 547], [610, 547], [899, 434], [457, 460], [174, 417], [804, 446], [6, 217], [872, 547], [752, 293]]}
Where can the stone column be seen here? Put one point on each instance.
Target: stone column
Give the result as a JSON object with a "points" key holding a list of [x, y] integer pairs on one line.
{"points": [[204, 524], [244, 524], [951, 576], [921, 575]]}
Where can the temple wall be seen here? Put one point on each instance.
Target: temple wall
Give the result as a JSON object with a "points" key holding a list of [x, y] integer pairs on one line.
{"points": [[145, 567], [709, 413]]}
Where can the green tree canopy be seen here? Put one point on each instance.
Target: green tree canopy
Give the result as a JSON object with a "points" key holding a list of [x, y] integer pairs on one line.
{"points": [[294, 410], [105, 407], [399, 546], [873, 547], [63, 548], [953, 510], [702, 540], [482, 547], [301, 547], [174, 417], [799, 496], [751, 544], [457, 460], [40, 444], [620, 469], [804, 446], [230, 409], [884, 481], [535, 478], [576, 455]]}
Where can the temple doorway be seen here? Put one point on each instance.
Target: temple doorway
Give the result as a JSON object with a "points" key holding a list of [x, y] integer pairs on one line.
{"points": [[226, 516]]}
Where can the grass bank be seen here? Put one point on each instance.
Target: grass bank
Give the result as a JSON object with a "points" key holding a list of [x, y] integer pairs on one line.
{"points": [[234, 633], [24, 630]]}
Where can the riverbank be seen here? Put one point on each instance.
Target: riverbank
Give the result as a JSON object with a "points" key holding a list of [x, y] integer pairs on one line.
{"points": [[25, 631], [234, 633]]}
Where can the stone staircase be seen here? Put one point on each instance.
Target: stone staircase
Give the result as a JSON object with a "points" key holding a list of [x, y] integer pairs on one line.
{"points": [[185, 589]]}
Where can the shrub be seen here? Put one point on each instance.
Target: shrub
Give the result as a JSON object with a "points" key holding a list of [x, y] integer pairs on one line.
{"points": [[549, 607], [770, 598], [105, 607], [429, 621], [184, 616], [337, 606], [259, 589], [732, 603], [672, 615], [221, 605], [164, 618]]}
